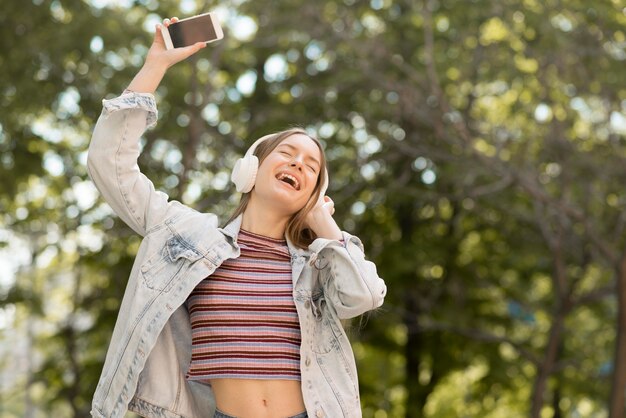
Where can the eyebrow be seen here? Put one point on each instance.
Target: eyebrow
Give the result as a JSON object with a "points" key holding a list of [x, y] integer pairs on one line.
{"points": [[309, 157]]}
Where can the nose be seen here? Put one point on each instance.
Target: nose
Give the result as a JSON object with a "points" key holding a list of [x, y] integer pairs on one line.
{"points": [[296, 163]]}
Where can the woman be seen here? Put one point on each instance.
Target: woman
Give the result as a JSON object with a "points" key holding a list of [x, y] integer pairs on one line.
{"points": [[240, 321]]}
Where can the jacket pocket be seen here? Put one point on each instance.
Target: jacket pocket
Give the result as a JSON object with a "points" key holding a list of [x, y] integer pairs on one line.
{"points": [[162, 269], [324, 339], [340, 386]]}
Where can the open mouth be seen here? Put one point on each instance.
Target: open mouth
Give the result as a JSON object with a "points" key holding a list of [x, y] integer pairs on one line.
{"points": [[289, 179]]}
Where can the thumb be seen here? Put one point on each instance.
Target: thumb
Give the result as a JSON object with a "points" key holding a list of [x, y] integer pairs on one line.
{"points": [[179, 54], [191, 49]]}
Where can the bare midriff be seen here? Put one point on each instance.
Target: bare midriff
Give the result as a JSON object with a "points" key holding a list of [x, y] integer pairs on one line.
{"points": [[253, 398]]}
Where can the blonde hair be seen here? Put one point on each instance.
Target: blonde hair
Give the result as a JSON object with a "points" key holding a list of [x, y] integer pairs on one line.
{"points": [[296, 231]]}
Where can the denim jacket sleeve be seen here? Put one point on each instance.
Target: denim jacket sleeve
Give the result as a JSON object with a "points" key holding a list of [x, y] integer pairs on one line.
{"points": [[350, 282], [112, 161]]}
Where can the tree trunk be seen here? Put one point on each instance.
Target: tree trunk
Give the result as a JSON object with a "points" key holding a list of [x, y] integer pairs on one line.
{"points": [[412, 352], [544, 370], [556, 400], [618, 385]]}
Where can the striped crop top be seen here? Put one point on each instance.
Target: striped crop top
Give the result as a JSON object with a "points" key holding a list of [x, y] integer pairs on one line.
{"points": [[244, 321]]}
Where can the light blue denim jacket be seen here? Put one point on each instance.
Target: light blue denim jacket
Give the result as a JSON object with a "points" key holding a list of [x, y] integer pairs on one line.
{"points": [[150, 349]]}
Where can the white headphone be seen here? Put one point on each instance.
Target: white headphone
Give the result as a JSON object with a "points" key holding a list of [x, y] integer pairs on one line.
{"points": [[244, 173], [246, 168]]}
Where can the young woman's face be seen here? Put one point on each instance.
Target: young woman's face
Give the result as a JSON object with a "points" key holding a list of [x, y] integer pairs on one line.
{"points": [[288, 175]]}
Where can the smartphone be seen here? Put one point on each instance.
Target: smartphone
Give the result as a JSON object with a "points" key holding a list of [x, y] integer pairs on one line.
{"points": [[185, 32]]}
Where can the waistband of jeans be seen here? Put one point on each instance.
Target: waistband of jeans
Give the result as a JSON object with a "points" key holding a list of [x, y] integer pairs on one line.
{"points": [[220, 414]]}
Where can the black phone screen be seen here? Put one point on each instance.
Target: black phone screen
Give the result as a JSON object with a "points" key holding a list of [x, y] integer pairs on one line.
{"points": [[188, 32]]}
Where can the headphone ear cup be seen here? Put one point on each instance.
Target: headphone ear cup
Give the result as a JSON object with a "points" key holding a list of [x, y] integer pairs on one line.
{"points": [[244, 173]]}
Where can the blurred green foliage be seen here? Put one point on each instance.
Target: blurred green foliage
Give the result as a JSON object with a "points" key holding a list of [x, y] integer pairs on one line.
{"points": [[477, 147]]}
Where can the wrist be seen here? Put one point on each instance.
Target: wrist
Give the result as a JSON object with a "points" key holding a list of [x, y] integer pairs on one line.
{"points": [[324, 226], [148, 78], [155, 66]]}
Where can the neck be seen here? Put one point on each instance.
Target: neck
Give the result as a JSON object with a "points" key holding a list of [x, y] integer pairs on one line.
{"points": [[264, 220]]}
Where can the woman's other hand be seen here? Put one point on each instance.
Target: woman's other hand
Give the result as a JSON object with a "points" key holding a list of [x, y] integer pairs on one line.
{"points": [[320, 220]]}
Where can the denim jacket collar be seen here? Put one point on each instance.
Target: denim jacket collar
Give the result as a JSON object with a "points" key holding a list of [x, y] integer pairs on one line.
{"points": [[232, 230]]}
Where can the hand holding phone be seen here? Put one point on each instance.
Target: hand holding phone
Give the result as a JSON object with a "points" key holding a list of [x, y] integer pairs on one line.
{"points": [[186, 32]]}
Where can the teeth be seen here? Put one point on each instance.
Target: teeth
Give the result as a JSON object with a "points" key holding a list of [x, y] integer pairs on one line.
{"points": [[292, 180]]}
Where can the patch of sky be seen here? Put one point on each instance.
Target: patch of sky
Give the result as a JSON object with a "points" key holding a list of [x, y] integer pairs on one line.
{"points": [[171, 156], [89, 238], [53, 163], [358, 208], [69, 102], [543, 113], [172, 160], [233, 95], [46, 256], [7, 316], [561, 22], [377, 4], [243, 28], [114, 60], [293, 55], [192, 193], [275, 68], [296, 90], [327, 130], [313, 50], [37, 191], [150, 22], [420, 163], [86, 194], [96, 44], [429, 176], [360, 136], [220, 181], [211, 114], [101, 4], [368, 171], [224, 128], [246, 83], [357, 121], [188, 7], [590, 110], [322, 64], [617, 122], [372, 145], [13, 255]]}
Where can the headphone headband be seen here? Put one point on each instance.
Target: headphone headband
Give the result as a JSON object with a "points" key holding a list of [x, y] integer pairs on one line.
{"points": [[256, 143]]}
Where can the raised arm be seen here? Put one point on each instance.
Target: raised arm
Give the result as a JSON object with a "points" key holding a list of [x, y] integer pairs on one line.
{"points": [[114, 147]]}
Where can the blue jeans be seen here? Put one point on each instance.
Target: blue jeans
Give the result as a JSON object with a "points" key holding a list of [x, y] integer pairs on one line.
{"points": [[220, 414]]}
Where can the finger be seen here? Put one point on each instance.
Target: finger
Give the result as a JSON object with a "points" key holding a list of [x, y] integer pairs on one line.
{"points": [[196, 47], [166, 22], [190, 50], [158, 36], [329, 205], [174, 20]]}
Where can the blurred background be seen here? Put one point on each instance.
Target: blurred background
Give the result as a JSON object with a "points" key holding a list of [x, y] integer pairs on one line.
{"points": [[478, 148]]}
